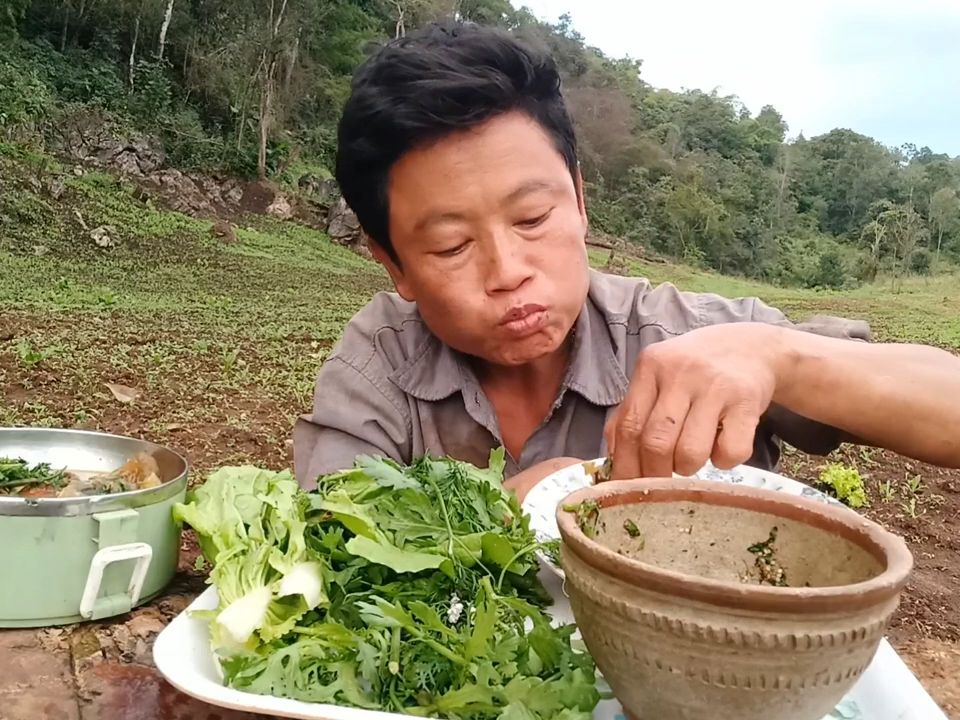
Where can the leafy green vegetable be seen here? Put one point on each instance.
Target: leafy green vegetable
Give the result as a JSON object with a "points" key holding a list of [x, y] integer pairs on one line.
{"points": [[405, 589], [551, 548], [588, 517], [846, 484], [16, 473]]}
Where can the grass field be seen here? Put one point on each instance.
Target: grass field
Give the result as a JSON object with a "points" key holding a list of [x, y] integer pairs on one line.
{"points": [[220, 342], [229, 336]]}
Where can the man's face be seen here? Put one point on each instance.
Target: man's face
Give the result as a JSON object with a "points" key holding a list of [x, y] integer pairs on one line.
{"points": [[489, 229]]}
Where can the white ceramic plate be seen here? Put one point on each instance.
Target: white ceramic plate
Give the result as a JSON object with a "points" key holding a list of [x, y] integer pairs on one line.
{"points": [[543, 499], [886, 691]]}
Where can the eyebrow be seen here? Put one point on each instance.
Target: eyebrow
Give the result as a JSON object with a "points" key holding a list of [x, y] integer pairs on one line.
{"points": [[521, 191]]}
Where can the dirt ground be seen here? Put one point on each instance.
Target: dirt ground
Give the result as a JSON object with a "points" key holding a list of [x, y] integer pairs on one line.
{"points": [[108, 664]]}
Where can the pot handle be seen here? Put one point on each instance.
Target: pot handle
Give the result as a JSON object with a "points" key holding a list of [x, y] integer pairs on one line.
{"points": [[94, 608], [118, 541]]}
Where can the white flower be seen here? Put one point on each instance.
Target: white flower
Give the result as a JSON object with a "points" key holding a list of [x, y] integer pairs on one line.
{"points": [[455, 611]]}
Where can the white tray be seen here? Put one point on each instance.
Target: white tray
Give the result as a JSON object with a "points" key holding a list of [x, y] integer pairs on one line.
{"points": [[886, 691]]}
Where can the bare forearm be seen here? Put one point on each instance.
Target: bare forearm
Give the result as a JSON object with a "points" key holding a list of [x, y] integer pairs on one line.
{"points": [[902, 397]]}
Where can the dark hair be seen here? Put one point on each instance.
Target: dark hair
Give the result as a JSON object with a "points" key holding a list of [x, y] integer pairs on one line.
{"points": [[441, 79]]}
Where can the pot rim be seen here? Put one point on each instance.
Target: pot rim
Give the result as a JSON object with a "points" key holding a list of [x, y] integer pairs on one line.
{"points": [[889, 549], [88, 504]]}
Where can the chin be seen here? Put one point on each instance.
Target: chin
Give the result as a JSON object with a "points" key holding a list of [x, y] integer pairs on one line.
{"points": [[526, 351]]}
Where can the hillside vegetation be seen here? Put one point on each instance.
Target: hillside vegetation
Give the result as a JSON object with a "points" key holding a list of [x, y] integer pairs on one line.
{"points": [[254, 88]]}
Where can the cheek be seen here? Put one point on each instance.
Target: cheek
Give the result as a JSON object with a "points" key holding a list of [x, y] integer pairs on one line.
{"points": [[452, 307]]}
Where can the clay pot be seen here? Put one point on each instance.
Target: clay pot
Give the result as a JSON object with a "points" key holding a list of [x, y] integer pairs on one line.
{"points": [[670, 587]]}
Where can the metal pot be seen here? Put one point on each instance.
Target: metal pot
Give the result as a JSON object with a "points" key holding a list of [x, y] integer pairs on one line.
{"points": [[66, 560]]}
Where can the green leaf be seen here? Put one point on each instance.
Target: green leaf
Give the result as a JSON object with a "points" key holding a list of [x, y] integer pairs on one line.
{"points": [[401, 561], [429, 617], [498, 550], [386, 474], [353, 516], [483, 623]]}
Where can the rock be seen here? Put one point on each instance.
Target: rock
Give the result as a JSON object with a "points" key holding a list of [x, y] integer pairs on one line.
{"points": [[323, 191], [78, 171], [179, 191], [134, 156], [56, 187], [105, 236], [280, 207], [35, 681], [232, 192], [224, 230], [343, 227]]}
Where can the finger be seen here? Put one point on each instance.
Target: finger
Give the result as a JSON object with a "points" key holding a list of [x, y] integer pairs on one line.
{"points": [[661, 432], [698, 437], [610, 431], [734, 444], [628, 431]]}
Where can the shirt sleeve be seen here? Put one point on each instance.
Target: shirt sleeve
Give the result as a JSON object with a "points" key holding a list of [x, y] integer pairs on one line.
{"points": [[356, 411], [779, 423]]}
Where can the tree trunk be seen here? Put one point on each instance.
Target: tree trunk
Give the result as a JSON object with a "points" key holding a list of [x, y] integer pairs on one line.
{"points": [[266, 114], [66, 25], [163, 29], [292, 62], [399, 30], [133, 50], [939, 241]]}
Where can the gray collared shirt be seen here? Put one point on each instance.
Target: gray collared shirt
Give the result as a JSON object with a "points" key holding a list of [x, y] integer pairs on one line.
{"points": [[391, 388]]}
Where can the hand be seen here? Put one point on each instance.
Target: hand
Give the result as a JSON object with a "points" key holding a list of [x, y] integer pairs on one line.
{"points": [[694, 398]]}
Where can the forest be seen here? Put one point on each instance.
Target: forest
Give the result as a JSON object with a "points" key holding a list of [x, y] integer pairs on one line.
{"points": [[253, 88]]}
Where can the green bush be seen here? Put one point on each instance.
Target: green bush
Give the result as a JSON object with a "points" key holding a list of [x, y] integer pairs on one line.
{"points": [[152, 96], [25, 100], [830, 272], [921, 262]]}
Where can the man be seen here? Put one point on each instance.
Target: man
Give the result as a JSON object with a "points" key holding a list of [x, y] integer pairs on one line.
{"points": [[459, 158]]}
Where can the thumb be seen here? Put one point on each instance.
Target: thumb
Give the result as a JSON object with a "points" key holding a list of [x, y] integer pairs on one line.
{"points": [[610, 431]]}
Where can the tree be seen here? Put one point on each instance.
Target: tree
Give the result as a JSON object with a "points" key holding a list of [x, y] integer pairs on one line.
{"points": [[11, 13], [164, 27], [898, 230], [944, 213]]}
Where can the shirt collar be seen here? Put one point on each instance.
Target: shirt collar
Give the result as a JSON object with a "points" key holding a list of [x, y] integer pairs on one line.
{"points": [[436, 371]]}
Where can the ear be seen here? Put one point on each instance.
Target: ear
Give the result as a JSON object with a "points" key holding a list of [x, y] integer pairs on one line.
{"points": [[393, 269], [581, 200]]}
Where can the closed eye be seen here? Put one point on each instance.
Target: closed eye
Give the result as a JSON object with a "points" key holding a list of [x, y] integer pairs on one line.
{"points": [[451, 252], [532, 223]]}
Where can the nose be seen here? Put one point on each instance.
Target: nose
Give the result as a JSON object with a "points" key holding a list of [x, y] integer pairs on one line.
{"points": [[507, 264]]}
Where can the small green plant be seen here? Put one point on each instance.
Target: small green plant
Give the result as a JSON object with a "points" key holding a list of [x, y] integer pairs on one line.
{"points": [[910, 508], [846, 484], [230, 360], [200, 347], [105, 297], [886, 491], [915, 485], [867, 455], [30, 356]]}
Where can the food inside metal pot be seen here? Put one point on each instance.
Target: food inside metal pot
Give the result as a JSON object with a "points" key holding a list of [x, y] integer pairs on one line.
{"points": [[17, 477]]}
